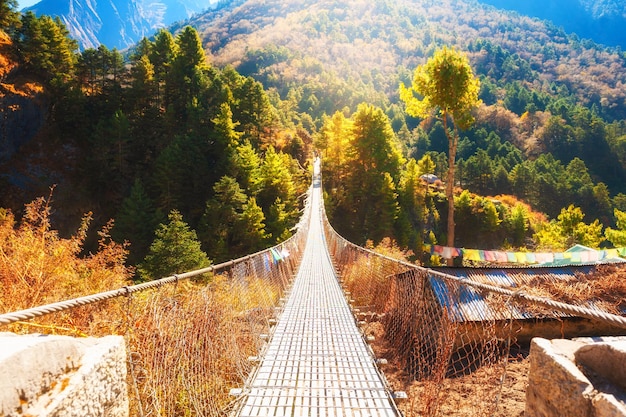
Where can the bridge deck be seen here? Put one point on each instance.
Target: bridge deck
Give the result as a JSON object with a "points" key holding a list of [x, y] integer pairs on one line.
{"points": [[317, 362]]}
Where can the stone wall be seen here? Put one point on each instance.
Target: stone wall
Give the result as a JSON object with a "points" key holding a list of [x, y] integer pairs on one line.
{"points": [[583, 377], [62, 376]]}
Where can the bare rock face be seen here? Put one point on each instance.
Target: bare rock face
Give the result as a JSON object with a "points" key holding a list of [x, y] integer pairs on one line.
{"points": [[62, 376], [117, 23]]}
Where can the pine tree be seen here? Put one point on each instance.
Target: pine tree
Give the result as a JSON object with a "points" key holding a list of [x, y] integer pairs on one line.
{"points": [[225, 127], [9, 16], [46, 48], [373, 143], [253, 110], [519, 223], [373, 166], [183, 175], [186, 81], [175, 249], [221, 218], [411, 198], [190, 53], [143, 84], [276, 182], [332, 141], [136, 222], [251, 230], [162, 54], [278, 221], [246, 168]]}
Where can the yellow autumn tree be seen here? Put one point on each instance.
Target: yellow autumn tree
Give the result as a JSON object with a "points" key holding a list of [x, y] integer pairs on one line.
{"points": [[445, 87]]}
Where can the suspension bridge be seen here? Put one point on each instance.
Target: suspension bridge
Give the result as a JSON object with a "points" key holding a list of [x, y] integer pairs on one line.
{"points": [[311, 355], [317, 362]]}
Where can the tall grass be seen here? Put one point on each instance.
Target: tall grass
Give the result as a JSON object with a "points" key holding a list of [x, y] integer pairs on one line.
{"points": [[188, 343]]}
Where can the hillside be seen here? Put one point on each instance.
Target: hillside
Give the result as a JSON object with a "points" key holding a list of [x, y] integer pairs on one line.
{"points": [[326, 56], [347, 52], [21, 102], [222, 140]]}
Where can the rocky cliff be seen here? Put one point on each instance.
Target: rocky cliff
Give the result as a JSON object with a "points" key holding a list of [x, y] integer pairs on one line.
{"points": [[117, 23]]}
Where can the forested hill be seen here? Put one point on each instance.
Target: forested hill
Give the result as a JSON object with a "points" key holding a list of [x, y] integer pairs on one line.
{"points": [[208, 128], [551, 131], [359, 50]]}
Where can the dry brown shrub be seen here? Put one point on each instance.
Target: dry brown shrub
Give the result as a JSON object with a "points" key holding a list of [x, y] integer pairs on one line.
{"points": [[604, 287], [190, 345], [38, 267], [447, 367], [497, 389], [367, 276]]}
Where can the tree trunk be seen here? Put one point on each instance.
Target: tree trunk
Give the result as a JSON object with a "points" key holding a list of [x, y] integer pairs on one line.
{"points": [[452, 145]]}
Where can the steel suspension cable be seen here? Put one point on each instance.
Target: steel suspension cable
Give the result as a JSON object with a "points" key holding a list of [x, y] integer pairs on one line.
{"points": [[612, 319], [38, 311]]}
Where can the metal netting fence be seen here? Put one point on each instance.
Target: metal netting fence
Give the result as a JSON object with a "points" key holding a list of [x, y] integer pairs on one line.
{"points": [[189, 337], [451, 343], [457, 347]]}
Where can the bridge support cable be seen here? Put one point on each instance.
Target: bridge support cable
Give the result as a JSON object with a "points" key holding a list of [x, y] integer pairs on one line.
{"points": [[341, 247], [317, 362], [240, 266]]}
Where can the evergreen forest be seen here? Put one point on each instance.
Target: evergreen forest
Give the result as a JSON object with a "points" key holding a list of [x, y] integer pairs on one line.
{"points": [[194, 146]]}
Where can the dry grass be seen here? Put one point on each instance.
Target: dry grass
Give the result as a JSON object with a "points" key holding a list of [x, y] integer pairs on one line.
{"points": [[39, 267], [188, 344], [496, 390], [604, 287], [479, 376], [191, 345], [447, 369]]}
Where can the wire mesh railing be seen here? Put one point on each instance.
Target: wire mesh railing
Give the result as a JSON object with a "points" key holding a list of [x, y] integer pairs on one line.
{"points": [[456, 346], [189, 336]]}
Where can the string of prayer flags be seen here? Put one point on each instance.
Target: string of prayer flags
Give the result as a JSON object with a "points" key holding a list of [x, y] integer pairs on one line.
{"points": [[276, 255], [580, 255]]}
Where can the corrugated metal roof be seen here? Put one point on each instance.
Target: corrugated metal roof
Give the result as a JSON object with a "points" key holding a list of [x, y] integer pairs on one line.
{"points": [[464, 303]]}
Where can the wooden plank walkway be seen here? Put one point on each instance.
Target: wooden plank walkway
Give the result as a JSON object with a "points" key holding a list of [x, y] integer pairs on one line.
{"points": [[317, 363]]}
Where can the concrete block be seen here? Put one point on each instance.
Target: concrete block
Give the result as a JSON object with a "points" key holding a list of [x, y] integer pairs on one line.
{"points": [[607, 359], [62, 376], [556, 387]]}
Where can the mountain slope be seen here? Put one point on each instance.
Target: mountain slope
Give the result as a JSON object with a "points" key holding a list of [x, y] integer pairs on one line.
{"points": [[22, 104], [359, 50], [117, 23], [600, 20]]}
